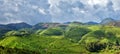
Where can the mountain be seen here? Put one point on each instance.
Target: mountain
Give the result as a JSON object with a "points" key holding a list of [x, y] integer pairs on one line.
{"points": [[45, 25], [67, 22], [117, 24], [18, 25], [107, 20], [111, 22], [91, 23], [15, 26]]}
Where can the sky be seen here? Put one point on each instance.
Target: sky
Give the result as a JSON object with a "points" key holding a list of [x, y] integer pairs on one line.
{"points": [[35, 11]]}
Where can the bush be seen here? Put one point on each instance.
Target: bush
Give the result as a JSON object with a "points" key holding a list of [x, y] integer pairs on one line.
{"points": [[110, 34], [52, 32], [75, 33], [95, 46]]}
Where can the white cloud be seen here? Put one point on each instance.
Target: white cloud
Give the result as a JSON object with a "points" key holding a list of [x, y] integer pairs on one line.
{"points": [[42, 11], [8, 14], [85, 10], [75, 11], [98, 2], [34, 11], [35, 7], [28, 11], [53, 2], [116, 4]]}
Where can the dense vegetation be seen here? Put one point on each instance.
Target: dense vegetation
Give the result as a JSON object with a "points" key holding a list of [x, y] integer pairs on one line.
{"points": [[74, 38]]}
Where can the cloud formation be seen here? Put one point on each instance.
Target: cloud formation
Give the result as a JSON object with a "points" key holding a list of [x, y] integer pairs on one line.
{"points": [[84, 10], [34, 11]]}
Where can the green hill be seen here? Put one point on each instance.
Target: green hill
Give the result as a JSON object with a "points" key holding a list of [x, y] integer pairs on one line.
{"points": [[42, 44], [80, 39]]}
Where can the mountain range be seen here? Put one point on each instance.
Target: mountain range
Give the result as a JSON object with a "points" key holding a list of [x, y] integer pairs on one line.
{"points": [[17, 26]]}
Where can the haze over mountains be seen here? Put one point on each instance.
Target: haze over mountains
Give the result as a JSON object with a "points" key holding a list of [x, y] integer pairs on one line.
{"points": [[33, 12]]}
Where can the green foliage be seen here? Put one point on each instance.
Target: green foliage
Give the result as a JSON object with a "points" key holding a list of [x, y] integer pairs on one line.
{"points": [[99, 33], [95, 46], [107, 41], [3, 31], [92, 39], [38, 32], [76, 33], [43, 44], [94, 27], [12, 33], [110, 34], [22, 32], [6, 50], [117, 43], [52, 31]]}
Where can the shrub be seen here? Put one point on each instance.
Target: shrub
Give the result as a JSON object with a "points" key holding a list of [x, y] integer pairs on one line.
{"points": [[95, 46], [110, 34]]}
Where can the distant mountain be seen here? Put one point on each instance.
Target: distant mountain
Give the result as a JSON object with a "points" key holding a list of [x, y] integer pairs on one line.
{"points": [[49, 25], [107, 21], [12, 26], [2, 26], [111, 22], [91, 23], [18, 25], [15, 26], [45, 25], [67, 22], [117, 24]]}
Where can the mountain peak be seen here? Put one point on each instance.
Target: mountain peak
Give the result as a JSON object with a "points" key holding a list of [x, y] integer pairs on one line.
{"points": [[107, 20]]}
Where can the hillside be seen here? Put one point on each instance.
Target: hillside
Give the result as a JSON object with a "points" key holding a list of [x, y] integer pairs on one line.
{"points": [[73, 38], [41, 44]]}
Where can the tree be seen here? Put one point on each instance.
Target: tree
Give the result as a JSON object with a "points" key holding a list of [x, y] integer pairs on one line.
{"points": [[117, 43]]}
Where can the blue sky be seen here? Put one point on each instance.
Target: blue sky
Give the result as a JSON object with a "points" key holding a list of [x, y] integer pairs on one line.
{"points": [[34, 11]]}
